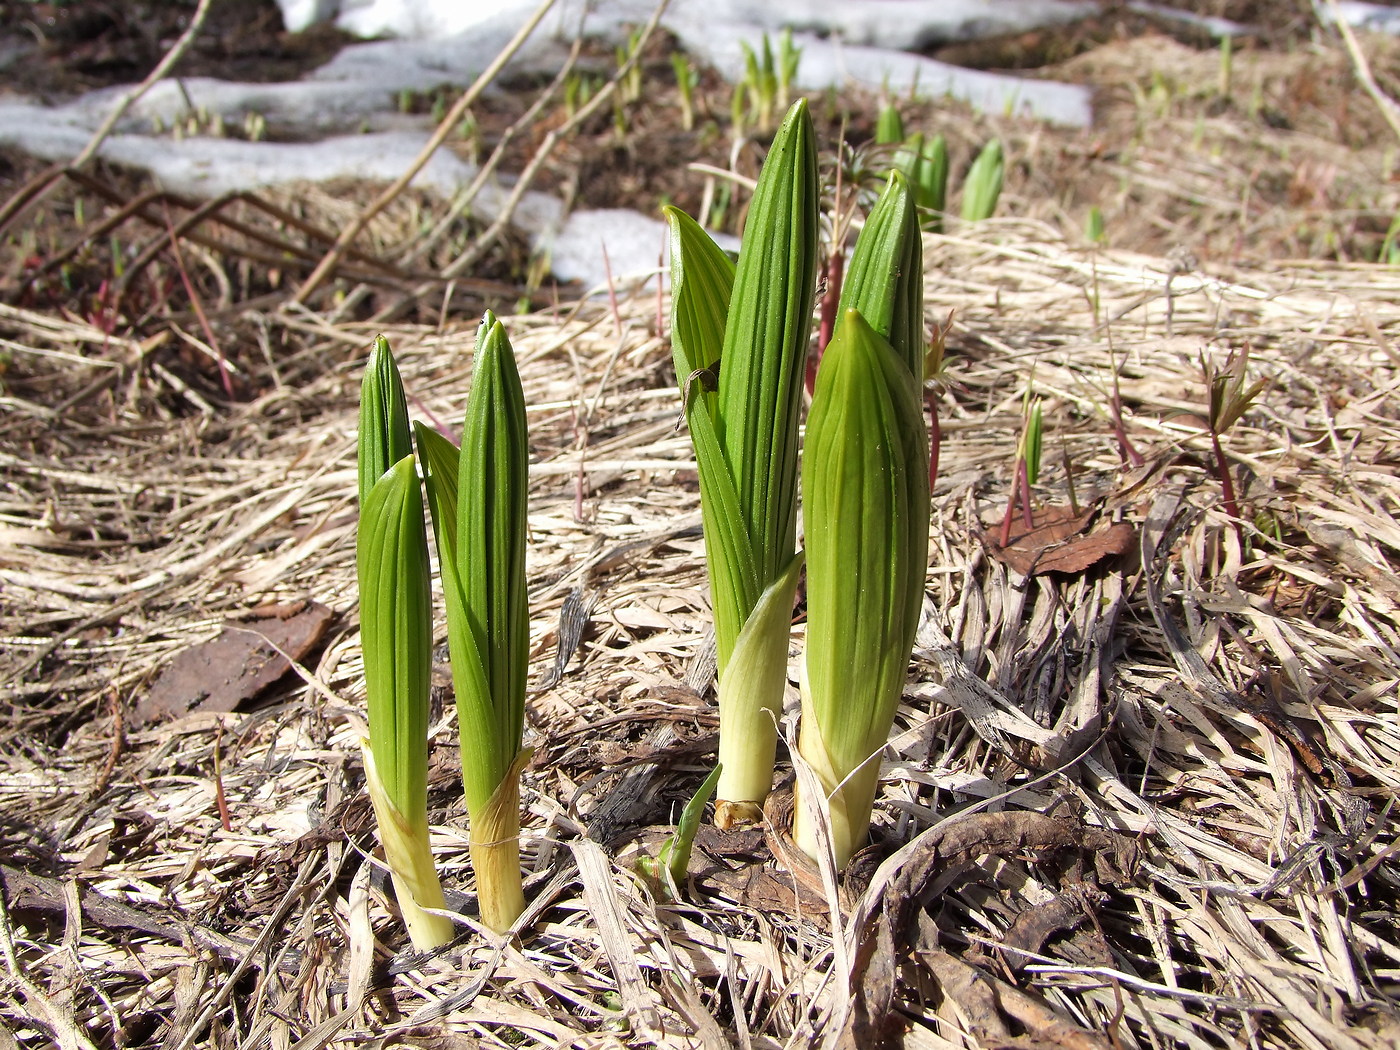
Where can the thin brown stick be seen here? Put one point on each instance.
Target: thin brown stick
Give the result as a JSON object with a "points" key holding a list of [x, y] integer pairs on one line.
{"points": [[483, 243], [166, 64], [39, 187], [1390, 110], [439, 136], [224, 378]]}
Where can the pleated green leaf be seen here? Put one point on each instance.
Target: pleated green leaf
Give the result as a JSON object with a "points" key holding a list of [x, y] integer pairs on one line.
{"points": [[702, 282], [925, 162], [982, 187], [384, 438], [885, 277], [441, 467], [441, 463], [729, 555], [490, 614], [391, 554], [765, 343], [396, 626], [889, 128], [865, 519], [752, 323]]}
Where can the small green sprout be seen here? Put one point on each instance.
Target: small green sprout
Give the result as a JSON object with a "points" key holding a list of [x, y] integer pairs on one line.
{"points": [[889, 128], [1027, 469], [687, 80], [1093, 225], [925, 162], [982, 187], [1230, 398], [668, 868], [397, 632]]}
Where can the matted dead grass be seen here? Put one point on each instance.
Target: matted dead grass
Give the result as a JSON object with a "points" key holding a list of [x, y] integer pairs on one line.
{"points": [[1144, 805]]}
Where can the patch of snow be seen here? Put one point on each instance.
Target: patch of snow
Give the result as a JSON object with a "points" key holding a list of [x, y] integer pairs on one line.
{"points": [[1376, 18], [1216, 27], [826, 63], [844, 43], [635, 245], [898, 24], [893, 24]]}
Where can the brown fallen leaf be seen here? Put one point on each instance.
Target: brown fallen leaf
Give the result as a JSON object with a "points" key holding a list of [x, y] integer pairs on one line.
{"points": [[1062, 541], [233, 668]]}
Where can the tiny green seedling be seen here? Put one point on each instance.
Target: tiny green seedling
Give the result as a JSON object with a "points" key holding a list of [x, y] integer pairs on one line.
{"points": [[1230, 398], [687, 80], [668, 868], [1027, 469]]}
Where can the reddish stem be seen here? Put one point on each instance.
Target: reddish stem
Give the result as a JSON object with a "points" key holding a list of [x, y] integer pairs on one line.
{"points": [[1011, 506], [1227, 483], [1126, 452], [831, 298], [1023, 479], [198, 306]]}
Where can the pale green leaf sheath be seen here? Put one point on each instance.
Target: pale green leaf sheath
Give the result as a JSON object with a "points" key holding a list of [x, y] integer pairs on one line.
{"points": [[487, 617], [865, 521], [396, 632], [746, 440]]}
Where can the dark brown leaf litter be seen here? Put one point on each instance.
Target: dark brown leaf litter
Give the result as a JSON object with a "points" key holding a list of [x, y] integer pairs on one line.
{"points": [[1062, 541], [892, 920], [246, 657]]}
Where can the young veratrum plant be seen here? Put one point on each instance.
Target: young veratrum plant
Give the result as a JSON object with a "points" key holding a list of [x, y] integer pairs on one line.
{"points": [[982, 187], [926, 165], [865, 518], [752, 325], [478, 503], [889, 126], [1230, 398], [391, 554]]}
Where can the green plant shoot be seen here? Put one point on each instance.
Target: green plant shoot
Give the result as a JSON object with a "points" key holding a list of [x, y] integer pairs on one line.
{"points": [[687, 79], [982, 187], [391, 557], [669, 867], [752, 323], [865, 516], [889, 128], [886, 277], [925, 163], [1230, 398], [478, 503]]}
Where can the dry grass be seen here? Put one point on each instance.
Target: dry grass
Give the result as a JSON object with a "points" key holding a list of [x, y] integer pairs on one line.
{"points": [[1209, 727], [1144, 805]]}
